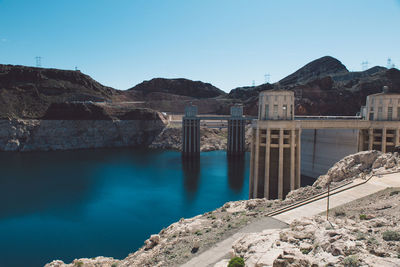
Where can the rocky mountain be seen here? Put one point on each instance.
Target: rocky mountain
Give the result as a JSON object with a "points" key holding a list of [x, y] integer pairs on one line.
{"points": [[322, 67], [27, 92], [180, 87], [322, 87], [325, 87]]}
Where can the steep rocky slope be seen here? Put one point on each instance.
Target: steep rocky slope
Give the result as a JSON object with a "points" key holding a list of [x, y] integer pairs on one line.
{"points": [[76, 126], [306, 242], [27, 92]]}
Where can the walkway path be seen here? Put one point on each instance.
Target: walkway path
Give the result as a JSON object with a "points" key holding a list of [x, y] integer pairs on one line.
{"points": [[356, 190]]}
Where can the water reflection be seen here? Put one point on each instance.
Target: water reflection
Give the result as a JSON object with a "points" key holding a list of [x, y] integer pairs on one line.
{"points": [[236, 172], [191, 174]]}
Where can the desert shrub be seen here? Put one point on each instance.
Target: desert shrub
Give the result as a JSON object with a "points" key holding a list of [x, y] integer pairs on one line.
{"points": [[305, 250], [198, 232], [360, 236], [363, 216], [236, 262], [391, 236], [351, 261], [340, 213]]}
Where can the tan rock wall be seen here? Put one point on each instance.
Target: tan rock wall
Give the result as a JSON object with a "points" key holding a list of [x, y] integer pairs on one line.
{"points": [[44, 135]]}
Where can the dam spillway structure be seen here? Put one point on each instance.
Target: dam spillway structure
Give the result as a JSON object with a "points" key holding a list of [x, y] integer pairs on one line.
{"points": [[236, 132], [190, 132], [275, 159], [275, 148]]}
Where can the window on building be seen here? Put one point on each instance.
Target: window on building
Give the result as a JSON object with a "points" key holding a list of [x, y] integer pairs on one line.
{"points": [[284, 98], [371, 116], [275, 112], [390, 113], [276, 98], [291, 111], [284, 108], [380, 113], [398, 113], [266, 112]]}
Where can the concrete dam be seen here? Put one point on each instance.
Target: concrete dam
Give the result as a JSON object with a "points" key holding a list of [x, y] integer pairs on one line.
{"points": [[321, 148]]}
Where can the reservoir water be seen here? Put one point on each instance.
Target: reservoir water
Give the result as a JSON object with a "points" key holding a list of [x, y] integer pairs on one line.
{"points": [[73, 204]]}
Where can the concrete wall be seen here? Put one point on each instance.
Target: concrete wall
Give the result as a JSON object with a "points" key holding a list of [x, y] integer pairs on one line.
{"points": [[320, 149]]}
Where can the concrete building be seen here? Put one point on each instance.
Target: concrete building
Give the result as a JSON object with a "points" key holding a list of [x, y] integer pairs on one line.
{"points": [[275, 165], [275, 151]]}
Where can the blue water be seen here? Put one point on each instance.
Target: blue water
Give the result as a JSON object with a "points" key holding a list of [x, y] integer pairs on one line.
{"points": [[67, 205]]}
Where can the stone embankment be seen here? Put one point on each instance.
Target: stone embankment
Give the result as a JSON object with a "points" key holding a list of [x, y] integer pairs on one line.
{"points": [[370, 239]]}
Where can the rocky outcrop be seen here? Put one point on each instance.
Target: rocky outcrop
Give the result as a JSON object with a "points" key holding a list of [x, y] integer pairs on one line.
{"points": [[210, 139], [316, 242], [181, 87], [321, 67], [27, 92], [44, 135]]}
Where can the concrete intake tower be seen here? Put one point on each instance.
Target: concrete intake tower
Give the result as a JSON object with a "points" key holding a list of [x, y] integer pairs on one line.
{"points": [[275, 164]]}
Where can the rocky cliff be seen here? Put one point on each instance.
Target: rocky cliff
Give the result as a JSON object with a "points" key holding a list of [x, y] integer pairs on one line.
{"points": [[77, 128], [348, 239]]}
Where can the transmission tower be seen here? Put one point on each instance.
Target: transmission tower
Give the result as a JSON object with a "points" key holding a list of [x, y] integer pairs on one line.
{"points": [[364, 65], [38, 61], [390, 63], [267, 76]]}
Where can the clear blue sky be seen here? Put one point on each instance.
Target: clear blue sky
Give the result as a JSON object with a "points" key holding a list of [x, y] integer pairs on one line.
{"points": [[228, 43]]}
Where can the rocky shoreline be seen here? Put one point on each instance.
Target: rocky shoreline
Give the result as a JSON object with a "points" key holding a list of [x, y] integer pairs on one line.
{"points": [[45, 135], [210, 139], [182, 240]]}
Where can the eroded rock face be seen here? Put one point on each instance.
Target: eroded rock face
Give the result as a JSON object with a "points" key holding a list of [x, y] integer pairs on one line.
{"points": [[314, 242], [210, 139], [358, 165], [45, 135]]}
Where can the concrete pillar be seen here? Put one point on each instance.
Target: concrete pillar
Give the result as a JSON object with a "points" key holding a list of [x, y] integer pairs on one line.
{"points": [[298, 159], [256, 163], [370, 138], [280, 167], [292, 158], [252, 158], [267, 161], [190, 137], [383, 147], [360, 140]]}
